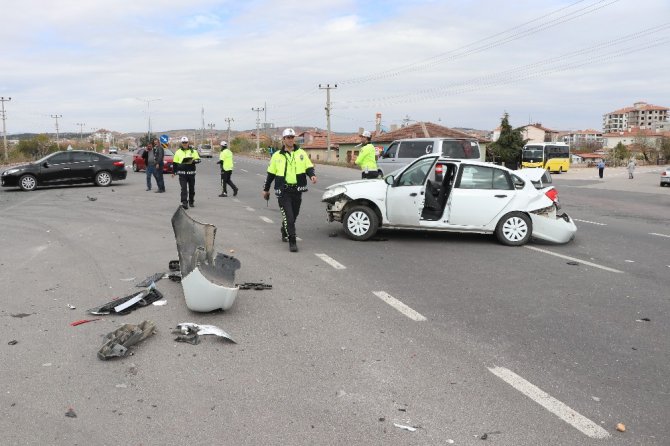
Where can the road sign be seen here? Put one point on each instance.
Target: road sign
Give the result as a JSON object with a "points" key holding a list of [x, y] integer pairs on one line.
{"points": [[164, 139]]}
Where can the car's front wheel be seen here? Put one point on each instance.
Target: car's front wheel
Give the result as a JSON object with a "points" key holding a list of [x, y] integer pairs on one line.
{"points": [[27, 183], [514, 229], [360, 223], [103, 178]]}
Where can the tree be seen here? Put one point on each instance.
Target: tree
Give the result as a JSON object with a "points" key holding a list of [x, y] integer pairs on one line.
{"points": [[145, 139], [239, 144], [37, 146], [508, 146], [665, 147], [620, 152]]}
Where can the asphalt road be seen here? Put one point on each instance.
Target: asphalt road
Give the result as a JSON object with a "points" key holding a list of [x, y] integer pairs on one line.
{"points": [[536, 345]]}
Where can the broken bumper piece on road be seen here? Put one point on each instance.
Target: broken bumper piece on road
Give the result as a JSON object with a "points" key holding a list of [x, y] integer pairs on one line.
{"points": [[208, 281], [190, 332], [117, 342]]}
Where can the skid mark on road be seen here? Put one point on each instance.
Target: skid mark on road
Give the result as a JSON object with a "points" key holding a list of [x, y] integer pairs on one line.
{"points": [[574, 259], [561, 410], [332, 262], [398, 305]]}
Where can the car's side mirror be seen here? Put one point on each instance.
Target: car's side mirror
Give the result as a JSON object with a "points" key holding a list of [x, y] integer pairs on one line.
{"points": [[45, 164], [389, 180]]}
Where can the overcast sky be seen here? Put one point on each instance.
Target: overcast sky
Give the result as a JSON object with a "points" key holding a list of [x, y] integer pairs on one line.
{"points": [[458, 63]]}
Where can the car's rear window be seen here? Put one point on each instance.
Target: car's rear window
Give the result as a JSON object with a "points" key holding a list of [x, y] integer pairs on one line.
{"points": [[415, 149]]}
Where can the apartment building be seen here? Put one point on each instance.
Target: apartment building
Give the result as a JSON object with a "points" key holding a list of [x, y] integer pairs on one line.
{"points": [[640, 114], [584, 139]]}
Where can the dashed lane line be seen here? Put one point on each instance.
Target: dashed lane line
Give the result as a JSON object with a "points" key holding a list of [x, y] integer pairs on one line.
{"points": [[659, 235], [590, 222], [398, 305], [266, 220], [574, 259], [329, 260], [561, 410]]}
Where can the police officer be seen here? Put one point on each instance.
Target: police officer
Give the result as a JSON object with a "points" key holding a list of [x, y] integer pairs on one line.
{"points": [[184, 162], [367, 157], [289, 169], [226, 162]]}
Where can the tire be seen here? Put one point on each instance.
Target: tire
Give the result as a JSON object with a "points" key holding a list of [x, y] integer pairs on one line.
{"points": [[360, 223], [514, 229], [28, 183], [103, 178], [135, 168]]}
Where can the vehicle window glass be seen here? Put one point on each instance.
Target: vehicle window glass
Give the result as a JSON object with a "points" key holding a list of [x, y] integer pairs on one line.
{"points": [[81, 157], [60, 158], [481, 177], [95, 157], [390, 151], [416, 174], [168, 152], [518, 182], [415, 149], [460, 149]]}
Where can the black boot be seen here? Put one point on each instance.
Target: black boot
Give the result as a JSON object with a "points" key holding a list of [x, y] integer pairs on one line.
{"points": [[184, 205], [192, 204], [235, 192], [292, 245]]}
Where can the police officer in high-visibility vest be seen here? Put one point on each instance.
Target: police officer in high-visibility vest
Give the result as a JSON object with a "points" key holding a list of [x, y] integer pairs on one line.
{"points": [[226, 162], [289, 169], [367, 157], [184, 161]]}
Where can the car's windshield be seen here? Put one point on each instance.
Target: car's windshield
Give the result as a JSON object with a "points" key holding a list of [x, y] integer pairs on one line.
{"points": [[169, 152]]}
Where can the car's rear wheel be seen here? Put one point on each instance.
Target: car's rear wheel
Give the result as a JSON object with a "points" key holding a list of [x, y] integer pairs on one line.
{"points": [[103, 178], [360, 223], [135, 168], [514, 229], [27, 183]]}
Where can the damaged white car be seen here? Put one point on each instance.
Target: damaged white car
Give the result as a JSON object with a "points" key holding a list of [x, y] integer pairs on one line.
{"points": [[443, 194]]}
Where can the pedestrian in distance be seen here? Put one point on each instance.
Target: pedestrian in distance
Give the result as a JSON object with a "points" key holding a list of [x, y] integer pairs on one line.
{"points": [[184, 161], [631, 168], [601, 168], [159, 157], [226, 162], [149, 163], [289, 169], [367, 157]]}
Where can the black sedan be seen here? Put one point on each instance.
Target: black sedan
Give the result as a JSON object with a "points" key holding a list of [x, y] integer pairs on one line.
{"points": [[73, 166]]}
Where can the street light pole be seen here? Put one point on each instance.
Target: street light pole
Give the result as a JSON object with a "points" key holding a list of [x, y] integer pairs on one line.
{"points": [[229, 120], [148, 101], [258, 111], [327, 87], [211, 127], [56, 118], [81, 130], [4, 130]]}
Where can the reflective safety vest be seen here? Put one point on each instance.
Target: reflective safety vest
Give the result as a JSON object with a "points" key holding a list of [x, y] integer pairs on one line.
{"points": [[226, 157], [367, 158], [289, 169], [188, 168]]}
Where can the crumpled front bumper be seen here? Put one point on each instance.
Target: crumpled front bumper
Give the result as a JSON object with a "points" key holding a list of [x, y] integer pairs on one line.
{"points": [[553, 227]]}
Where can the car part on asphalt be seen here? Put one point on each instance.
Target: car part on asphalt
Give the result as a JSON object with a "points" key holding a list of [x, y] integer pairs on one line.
{"points": [[83, 321], [13, 342], [149, 280], [208, 281], [173, 265], [190, 332], [254, 286], [116, 343], [127, 304]]}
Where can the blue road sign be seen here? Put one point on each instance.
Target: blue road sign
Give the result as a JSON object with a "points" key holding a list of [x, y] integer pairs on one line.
{"points": [[164, 139]]}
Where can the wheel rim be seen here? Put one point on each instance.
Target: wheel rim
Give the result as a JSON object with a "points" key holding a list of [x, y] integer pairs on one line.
{"points": [[515, 229], [358, 223], [28, 182], [104, 178]]}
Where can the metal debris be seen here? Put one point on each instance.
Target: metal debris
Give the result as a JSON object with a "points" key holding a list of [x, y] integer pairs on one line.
{"points": [[13, 342], [402, 426], [91, 198], [71, 307], [189, 330], [129, 303], [117, 342], [149, 280], [644, 319], [254, 286], [19, 315]]}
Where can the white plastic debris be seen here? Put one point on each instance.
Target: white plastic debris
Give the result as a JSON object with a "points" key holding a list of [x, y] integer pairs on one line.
{"points": [[402, 426], [160, 303], [201, 330], [71, 307]]}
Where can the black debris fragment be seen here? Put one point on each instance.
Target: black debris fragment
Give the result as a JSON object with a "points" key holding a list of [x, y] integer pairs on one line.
{"points": [[127, 304], [91, 198], [20, 315], [484, 437], [254, 286], [644, 319], [572, 263], [191, 338], [70, 413], [13, 342], [149, 280], [173, 265], [175, 277]]}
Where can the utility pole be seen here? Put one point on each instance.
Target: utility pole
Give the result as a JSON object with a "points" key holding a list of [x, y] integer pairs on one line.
{"points": [[327, 87], [202, 132], [229, 120], [258, 111], [148, 101], [4, 130], [81, 131], [211, 128], [56, 118]]}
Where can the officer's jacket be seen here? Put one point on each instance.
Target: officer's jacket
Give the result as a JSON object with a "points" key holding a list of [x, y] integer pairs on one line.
{"points": [[226, 159], [289, 169], [181, 168], [367, 158]]}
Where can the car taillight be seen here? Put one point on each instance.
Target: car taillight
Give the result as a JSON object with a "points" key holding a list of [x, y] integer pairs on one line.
{"points": [[552, 194], [438, 169], [119, 163]]}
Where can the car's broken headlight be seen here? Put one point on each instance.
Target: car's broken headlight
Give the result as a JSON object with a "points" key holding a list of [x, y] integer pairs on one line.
{"points": [[333, 192]]}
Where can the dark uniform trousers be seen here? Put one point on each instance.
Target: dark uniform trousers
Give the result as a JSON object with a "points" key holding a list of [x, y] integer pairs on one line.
{"points": [[187, 181], [225, 180], [289, 205], [370, 175]]}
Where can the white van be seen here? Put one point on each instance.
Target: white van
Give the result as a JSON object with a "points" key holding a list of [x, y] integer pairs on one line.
{"points": [[403, 151]]}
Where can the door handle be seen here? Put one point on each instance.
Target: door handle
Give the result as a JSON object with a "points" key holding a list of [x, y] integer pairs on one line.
{"points": [[66, 168], [500, 196], [413, 194]]}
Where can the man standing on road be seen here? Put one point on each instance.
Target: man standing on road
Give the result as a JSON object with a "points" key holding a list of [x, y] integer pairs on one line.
{"points": [[226, 162], [184, 162], [159, 156], [601, 168], [631, 168], [289, 169], [149, 163], [367, 157]]}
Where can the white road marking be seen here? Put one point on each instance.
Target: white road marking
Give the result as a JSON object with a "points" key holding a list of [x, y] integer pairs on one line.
{"points": [[266, 220], [595, 265], [244, 170], [398, 305], [250, 209], [329, 260], [565, 413], [660, 235], [591, 222]]}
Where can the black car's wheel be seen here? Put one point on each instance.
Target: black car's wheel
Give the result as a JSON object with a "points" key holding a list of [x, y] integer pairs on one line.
{"points": [[514, 229], [28, 182], [360, 223], [135, 168], [103, 178]]}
